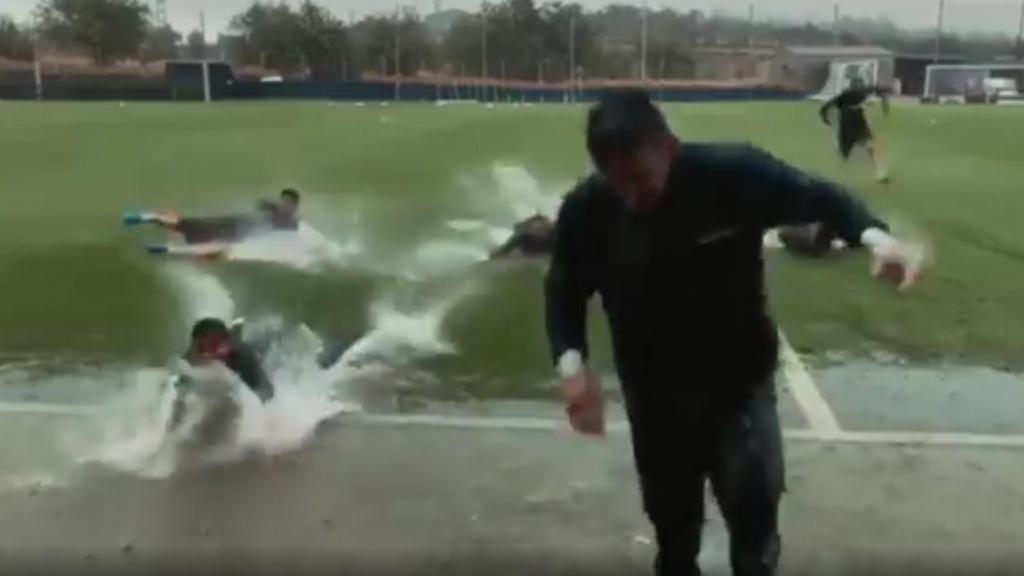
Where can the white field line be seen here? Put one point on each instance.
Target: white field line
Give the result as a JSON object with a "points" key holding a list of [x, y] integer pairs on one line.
{"points": [[620, 427], [796, 377]]}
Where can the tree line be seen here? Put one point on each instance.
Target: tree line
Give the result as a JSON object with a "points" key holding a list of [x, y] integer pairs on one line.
{"points": [[515, 39]]}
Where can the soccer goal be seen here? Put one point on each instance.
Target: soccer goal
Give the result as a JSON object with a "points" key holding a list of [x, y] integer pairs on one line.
{"points": [[974, 83], [842, 74]]}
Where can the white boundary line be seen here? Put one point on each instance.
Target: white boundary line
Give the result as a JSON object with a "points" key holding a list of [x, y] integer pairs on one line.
{"points": [[951, 439], [819, 414]]}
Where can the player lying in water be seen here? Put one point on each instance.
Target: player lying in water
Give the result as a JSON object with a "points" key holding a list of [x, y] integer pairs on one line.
{"points": [[214, 344], [853, 125], [532, 237], [206, 236]]}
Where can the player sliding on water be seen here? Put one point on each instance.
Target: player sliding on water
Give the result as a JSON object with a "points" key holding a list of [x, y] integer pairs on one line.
{"points": [[533, 237], [242, 352], [853, 125], [208, 236]]}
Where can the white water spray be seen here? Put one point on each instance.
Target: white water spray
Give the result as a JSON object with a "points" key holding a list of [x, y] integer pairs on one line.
{"points": [[133, 434]]}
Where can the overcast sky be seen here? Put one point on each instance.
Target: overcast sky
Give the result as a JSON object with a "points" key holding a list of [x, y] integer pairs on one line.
{"points": [[961, 15]]}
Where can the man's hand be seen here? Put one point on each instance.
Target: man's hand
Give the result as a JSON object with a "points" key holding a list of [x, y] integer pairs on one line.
{"points": [[894, 260], [584, 403]]}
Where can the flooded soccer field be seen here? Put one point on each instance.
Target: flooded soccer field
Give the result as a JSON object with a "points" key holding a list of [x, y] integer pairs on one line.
{"points": [[403, 204]]}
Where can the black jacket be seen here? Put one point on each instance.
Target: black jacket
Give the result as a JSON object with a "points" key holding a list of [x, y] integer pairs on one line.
{"points": [[683, 284]]}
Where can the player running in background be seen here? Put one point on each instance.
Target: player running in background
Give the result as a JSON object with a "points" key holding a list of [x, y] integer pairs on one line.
{"points": [[270, 215], [853, 125]]}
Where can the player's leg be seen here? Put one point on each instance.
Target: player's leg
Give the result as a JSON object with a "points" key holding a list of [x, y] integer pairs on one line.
{"points": [[748, 480], [168, 220], [196, 252], [671, 469], [877, 159]]}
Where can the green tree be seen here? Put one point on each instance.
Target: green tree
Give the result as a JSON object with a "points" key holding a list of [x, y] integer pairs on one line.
{"points": [[107, 29], [196, 45], [323, 41], [270, 36], [309, 39], [161, 43], [377, 37], [15, 43]]}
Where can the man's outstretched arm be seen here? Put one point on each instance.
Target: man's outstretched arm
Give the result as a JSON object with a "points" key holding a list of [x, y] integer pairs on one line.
{"points": [[825, 108], [784, 195]]}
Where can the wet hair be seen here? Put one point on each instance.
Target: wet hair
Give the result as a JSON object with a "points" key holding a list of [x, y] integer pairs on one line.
{"points": [[621, 123], [291, 194], [208, 327]]}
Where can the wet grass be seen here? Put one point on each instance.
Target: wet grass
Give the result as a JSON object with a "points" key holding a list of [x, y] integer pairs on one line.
{"points": [[74, 283]]}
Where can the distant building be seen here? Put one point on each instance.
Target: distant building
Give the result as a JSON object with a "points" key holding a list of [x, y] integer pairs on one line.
{"points": [[911, 68], [807, 67], [733, 63]]}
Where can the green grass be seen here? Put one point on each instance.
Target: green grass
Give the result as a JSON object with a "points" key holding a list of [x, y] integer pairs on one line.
{"points": [[74, 284]]}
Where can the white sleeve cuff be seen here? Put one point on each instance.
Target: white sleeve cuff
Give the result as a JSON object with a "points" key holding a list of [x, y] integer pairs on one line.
{"points": [[570, 364], [878, 240]]}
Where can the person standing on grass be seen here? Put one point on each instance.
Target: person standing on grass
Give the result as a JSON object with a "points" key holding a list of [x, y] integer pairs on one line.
{"points": [[853, 125], [669, 234]]}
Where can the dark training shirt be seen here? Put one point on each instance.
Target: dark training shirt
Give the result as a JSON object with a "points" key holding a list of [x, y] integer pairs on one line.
{"points": [[683, 284], [850, 100]]}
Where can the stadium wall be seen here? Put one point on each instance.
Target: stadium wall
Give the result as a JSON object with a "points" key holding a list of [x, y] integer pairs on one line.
{"points": [[159, 89]]}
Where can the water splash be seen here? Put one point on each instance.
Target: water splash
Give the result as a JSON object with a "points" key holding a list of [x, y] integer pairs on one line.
{"points": [[133, 435], [201, 294], [305, 249]]}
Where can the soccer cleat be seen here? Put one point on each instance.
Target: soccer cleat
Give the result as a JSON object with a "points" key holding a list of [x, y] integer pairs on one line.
{"points": [[136, 218], [158, 249]]}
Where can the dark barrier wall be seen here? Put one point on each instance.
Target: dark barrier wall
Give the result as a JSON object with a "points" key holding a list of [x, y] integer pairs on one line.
{"points": [[84, 88], [117, 88], [385, 91]]}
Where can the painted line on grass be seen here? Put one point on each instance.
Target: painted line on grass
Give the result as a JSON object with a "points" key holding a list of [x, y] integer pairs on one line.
{"points": [[618, 427], [819, 414], [952, 439], [40, 409]]}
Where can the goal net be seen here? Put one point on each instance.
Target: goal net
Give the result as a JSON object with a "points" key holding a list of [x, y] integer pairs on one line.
{"points": [[842, 74], [974, 83]]}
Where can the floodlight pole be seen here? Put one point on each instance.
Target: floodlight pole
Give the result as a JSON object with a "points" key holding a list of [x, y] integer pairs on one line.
{"points": [[750, 26], [206, 64], [398, 56], [643, 42], [1020, 34], [938, 31], [835, 24], [37, 65], [572, 55], [483, 51]]}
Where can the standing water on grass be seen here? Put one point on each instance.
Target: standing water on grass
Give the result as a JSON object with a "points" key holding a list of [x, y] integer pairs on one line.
{"points": [[132, 433]]}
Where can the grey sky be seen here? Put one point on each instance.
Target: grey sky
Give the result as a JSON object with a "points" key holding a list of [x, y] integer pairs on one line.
{"points": [[961, 15]]}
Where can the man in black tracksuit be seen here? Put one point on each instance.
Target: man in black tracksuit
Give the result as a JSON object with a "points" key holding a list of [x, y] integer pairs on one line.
{"points": [[670, 236], [853, 124]]}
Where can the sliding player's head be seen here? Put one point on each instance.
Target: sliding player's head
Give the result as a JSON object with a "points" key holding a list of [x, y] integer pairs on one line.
{"points": [[290, 201], [211, 340], [631, 144]]}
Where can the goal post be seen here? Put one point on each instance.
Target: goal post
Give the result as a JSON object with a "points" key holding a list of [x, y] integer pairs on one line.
{"points": [[843, 73], [981, 83]]}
